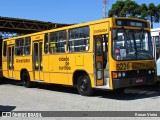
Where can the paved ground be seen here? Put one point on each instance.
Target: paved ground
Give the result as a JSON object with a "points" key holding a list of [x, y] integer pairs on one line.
{"points": [[14, 97]]}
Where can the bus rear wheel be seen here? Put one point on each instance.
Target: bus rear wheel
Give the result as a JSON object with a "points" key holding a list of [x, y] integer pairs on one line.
{"points": [[84, 86], [26, 80]]}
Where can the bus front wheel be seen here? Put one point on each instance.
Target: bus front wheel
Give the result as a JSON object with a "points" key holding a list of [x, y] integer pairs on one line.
{"points": [[84, 86], [26, 80]]}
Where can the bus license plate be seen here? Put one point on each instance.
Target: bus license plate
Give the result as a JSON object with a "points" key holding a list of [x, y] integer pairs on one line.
{"points": [[139, 80]]}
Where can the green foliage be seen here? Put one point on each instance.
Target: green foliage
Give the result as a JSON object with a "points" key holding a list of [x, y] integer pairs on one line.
{"points": [[143, 11], [116, 9], [129, 8]]}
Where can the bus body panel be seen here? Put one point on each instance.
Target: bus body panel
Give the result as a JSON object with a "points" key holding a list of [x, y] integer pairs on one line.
{"points": [[46, 74], [80, 62], [4, 66], [58, 65]]}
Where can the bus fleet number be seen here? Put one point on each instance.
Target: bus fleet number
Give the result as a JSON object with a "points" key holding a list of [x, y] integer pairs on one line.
{"points": [[123, 66]]}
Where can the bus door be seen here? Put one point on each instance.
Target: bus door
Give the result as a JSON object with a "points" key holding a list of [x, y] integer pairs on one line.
{"points": [[37, 60], [10, 61], [98, 43]]}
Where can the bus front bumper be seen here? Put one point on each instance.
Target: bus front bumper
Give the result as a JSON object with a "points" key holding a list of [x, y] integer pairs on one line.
{"points": [[128, 82]]}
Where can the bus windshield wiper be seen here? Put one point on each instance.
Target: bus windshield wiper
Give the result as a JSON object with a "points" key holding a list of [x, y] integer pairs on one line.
{"points": [[141, 38], [135, 46], [126, 37]]}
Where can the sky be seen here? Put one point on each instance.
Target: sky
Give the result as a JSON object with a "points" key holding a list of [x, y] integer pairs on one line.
{"points": [[59, 11]]}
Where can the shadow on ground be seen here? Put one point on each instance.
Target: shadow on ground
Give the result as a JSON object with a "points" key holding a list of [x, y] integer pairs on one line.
{"points": [[139, 92], [133, 93]]}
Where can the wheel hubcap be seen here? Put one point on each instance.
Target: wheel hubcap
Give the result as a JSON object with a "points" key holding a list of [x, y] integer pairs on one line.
{"points": [[83, 84]]}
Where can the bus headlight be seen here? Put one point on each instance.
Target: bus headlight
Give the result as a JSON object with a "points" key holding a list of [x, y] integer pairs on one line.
{"points": [[149, 72], [119, 75], [123, 74]]}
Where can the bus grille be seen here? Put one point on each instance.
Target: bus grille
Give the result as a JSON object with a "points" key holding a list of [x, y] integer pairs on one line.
{"points": [[137, 73], [138, 66]]}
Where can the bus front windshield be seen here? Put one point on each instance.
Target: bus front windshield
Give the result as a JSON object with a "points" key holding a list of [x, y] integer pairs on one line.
{"points": [[131, 44]]}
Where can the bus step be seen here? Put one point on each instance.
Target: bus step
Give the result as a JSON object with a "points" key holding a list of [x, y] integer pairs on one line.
{"points": [[103, 87], [39, 81]]}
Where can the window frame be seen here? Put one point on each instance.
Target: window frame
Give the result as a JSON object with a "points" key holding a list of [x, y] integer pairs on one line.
{"points": [[56, 40], [19, 46], [25, 39], [79, 38], [4, 48], [46, 42]]}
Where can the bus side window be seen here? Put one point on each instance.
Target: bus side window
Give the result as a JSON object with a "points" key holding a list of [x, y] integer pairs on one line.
{"points": [[57, 42], [105, 50], [27, 45], [19, 46], [4, 48], [46, 44]]}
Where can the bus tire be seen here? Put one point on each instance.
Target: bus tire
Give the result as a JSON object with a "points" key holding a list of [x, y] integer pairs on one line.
{"points": [[84, 86], [26, 80]]}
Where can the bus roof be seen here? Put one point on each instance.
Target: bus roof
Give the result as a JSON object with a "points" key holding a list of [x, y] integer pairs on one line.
{"points": [[74, 26]]}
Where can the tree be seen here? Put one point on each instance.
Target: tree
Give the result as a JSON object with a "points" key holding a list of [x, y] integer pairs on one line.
{"points": [[143, 11], [158, 13], [124, 9], [116, 9], [152, 14], [130, 8]]}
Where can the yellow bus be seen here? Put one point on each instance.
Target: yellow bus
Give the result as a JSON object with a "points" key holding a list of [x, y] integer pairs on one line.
{"points": [[109, 54]]}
